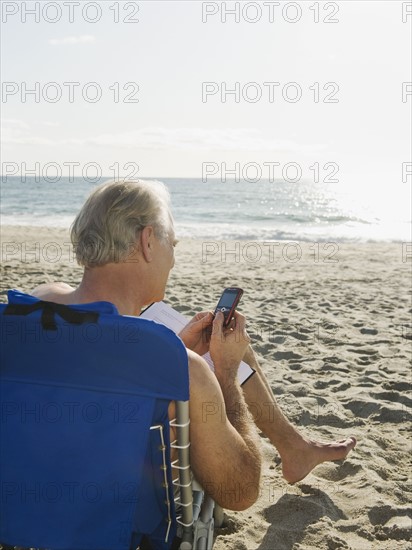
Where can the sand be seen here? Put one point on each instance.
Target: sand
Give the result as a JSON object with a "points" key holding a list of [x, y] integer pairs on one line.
{"points": [[332, 327]]}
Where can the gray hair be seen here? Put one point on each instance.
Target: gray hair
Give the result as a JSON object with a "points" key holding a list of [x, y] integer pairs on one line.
{"points": [[106, 228]]}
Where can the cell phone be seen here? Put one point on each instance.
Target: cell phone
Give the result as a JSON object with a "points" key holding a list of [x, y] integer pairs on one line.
{"points": [[228, 303]]}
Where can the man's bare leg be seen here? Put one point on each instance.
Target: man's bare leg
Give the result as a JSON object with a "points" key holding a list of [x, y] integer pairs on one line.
{"points": [[299, 455]]}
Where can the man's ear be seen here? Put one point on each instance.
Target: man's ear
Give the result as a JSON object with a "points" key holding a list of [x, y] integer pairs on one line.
{"points": [[147, 242]]}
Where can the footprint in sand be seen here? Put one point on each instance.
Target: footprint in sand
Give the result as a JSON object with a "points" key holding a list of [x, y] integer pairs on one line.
{"points": [[338, 472], [397, 416], [299, 336], [399, 386], [393, 397], [369, 331], [280, 355], [362, 408], [390, 522]]}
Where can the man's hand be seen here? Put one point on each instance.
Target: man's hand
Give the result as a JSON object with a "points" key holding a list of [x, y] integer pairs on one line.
{"points": [[196, 334], [228, 345]]}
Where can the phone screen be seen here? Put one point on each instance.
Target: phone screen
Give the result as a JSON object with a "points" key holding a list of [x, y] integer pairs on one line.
{"points": [[228, 302], [227, 299]]}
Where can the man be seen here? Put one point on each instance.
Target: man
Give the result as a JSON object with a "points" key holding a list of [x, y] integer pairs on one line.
{"points": [[124, 238]]}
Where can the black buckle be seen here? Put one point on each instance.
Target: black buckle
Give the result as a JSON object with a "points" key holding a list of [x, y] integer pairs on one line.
{"points": [[49, 310]]}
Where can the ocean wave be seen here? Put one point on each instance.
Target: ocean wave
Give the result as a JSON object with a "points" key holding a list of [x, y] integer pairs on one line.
{"points": [[272, 212], [293, 233]]}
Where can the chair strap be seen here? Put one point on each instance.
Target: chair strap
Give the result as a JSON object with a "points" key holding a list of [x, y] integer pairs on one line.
{"points": [[49, 309]]}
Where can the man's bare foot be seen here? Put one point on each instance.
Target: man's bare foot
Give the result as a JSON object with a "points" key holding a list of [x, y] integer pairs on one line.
{"points": [[300, 460]]}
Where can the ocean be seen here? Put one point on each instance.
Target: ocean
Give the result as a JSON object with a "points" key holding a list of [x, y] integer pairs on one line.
{"points": [[266, 210]]}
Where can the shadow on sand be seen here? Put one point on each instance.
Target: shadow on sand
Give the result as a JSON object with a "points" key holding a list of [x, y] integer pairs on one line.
{"points": [[292, 514]]}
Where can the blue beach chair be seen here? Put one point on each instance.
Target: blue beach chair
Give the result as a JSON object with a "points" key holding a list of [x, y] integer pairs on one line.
{"points": [[84, 440]]}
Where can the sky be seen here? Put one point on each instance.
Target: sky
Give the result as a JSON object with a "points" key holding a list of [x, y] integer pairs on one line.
{"points": [[315, 82]]}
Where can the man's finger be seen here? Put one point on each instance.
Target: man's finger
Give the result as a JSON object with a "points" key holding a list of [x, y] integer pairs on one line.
{"points": [[232, 324], [218, 324], [204, 316], [240, 322]]}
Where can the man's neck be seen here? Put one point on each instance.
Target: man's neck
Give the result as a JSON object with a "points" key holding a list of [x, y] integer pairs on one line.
{"points": [[109, 284]]}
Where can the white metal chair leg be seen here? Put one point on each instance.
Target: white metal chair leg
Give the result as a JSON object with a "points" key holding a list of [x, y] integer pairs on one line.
{"points": [[218, 515], [185, 479], [199, 513], [204, 527]]}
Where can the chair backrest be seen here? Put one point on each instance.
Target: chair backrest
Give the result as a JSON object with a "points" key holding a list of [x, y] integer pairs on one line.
{"points": [[80, 388]]}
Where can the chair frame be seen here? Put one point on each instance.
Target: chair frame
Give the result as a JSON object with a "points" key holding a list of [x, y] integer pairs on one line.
{"points": [[195, 511], [199, 512]]}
